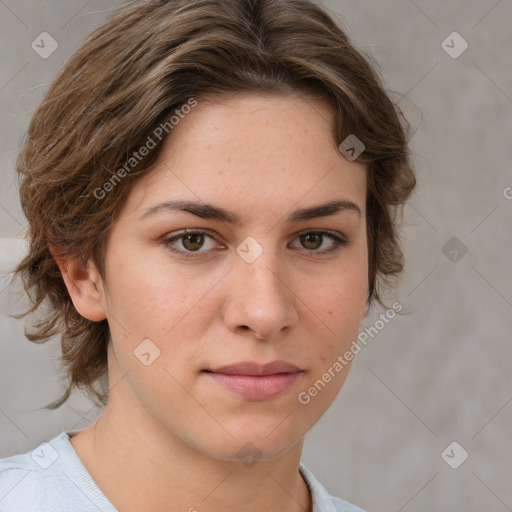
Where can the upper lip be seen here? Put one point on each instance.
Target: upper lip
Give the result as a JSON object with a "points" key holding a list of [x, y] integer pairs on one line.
{"points": [[254, 368]]}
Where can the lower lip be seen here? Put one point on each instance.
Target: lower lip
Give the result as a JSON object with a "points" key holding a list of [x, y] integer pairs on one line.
{"points": [[257, 387]]}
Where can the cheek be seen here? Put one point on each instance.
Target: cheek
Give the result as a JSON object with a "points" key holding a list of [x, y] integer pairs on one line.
{"points": [[338, 297], [335, 310], [334, 327], [152, 294]]}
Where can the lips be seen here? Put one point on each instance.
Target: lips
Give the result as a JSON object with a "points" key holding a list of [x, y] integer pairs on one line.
{"points": [[253, 368], [256, 381]]}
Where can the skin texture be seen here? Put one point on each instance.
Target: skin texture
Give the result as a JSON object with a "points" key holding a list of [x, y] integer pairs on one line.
{"points": [[169, 438]]}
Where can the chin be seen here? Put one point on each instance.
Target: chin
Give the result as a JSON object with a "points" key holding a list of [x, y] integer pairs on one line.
{"points": [[254, 441], [249, 450]]}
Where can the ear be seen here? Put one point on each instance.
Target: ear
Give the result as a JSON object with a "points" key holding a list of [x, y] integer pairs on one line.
{"points": [[84, 285]]}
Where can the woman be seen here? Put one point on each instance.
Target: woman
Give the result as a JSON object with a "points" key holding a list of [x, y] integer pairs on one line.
{"points": [[211, 188]]}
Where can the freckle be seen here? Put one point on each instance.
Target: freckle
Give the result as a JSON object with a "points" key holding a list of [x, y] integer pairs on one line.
{"points": [[330, 312]]}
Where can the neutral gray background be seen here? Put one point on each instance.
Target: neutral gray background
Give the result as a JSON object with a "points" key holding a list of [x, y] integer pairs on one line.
{"points": [[437, 375]]}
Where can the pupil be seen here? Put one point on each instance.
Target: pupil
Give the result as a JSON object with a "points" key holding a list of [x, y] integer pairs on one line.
{"points": [[309, 238], [196, 240]]}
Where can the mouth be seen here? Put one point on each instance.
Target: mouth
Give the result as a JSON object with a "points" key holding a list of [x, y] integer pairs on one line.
{"points": [[255, 381]]}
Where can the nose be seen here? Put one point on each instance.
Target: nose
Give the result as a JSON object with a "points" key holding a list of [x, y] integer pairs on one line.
{"points": [[261, 303]]}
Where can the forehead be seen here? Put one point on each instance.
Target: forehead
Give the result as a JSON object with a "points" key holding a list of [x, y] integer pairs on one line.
{"points": [[260, 152]]}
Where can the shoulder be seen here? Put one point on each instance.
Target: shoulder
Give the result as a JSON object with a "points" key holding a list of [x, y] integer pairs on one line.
{"points": [[322, 500], [24, 485], [42, 479]]}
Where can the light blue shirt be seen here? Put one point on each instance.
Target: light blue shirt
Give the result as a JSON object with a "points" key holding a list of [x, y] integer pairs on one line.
{"points": [[52, 478]]}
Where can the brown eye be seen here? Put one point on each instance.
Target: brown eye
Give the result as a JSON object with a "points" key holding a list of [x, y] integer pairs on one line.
{"points": [[315, 242], [190, 244], [311, 241], [196, 243], [193, 242]]}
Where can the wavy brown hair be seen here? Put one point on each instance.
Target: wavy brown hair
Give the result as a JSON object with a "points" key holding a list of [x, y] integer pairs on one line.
{"points": [[128, 78]]}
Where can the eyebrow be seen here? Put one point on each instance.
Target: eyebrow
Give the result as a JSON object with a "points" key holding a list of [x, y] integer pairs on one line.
{"points": [[209, 211]]}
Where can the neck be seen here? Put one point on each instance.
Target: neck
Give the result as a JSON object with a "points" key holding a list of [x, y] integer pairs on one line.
{"points": [[139, 465]]}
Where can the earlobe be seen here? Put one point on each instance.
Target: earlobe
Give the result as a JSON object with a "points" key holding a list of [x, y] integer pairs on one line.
{"points": [[84, 286]]}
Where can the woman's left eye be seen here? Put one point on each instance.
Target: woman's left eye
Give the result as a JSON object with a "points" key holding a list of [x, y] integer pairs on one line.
{"points": [[313, 240], [192, 241]]}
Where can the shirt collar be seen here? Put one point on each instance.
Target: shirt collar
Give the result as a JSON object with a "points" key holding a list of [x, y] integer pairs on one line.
{"points": [[320, 498]]}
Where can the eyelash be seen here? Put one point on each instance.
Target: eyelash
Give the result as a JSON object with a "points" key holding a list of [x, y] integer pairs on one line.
{"points": [[338, 242]]}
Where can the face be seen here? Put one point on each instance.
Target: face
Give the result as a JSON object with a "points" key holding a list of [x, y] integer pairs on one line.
{"points": [[274, 286]]}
